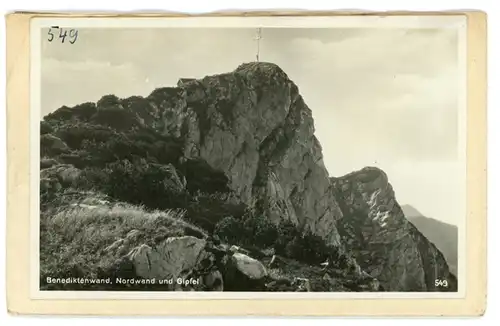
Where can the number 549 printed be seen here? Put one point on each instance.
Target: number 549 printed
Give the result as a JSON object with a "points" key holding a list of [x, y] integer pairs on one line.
{"points": [[441, 283], [61, 34]]}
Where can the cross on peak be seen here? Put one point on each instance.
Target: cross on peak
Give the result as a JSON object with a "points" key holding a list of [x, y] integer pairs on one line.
{"points": [[258, 37]]}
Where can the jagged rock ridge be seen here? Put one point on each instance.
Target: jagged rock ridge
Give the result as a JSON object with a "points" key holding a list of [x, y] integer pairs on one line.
{"points": [[384, 242]]}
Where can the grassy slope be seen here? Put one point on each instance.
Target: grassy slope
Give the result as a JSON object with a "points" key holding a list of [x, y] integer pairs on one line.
{"points": [[74, 237]]}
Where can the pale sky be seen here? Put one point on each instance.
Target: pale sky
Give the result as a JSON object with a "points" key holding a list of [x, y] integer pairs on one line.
{"points": [[379, 97]]}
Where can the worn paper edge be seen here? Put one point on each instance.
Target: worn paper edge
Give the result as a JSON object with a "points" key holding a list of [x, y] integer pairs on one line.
{"points": [[18, 194]]}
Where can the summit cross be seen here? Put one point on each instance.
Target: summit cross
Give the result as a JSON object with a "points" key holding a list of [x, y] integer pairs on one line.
{"points": [[258, 37]]}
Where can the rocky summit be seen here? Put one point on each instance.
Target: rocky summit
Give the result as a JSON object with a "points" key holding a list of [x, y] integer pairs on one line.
{"points": [[220, 181], [253, 125], [383, 241]]}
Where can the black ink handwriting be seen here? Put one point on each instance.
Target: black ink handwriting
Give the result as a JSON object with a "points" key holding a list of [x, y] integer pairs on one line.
{"points": [[71, 34]]}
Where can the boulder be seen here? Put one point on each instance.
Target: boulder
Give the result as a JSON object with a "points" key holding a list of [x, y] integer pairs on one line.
{"points": [[243, 273], [65, 174], [248, 266], [170, 259]]}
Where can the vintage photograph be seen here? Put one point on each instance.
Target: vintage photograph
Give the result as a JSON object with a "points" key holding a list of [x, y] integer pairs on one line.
{"points": [[251, 156]]}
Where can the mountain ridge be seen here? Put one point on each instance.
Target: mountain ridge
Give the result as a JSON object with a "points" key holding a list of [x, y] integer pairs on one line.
{"points": [[411, 211], [443, 235], [249, 135]]}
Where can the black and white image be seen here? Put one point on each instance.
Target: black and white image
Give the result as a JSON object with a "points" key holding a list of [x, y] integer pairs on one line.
{"points": [[256, 157]]}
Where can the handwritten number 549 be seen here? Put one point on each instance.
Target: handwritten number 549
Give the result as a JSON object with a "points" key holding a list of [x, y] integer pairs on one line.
{"points": [[72, 35]]}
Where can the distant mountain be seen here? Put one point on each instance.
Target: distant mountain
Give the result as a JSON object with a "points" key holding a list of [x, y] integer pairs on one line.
{"points": [[410, 211], [443, 235]]}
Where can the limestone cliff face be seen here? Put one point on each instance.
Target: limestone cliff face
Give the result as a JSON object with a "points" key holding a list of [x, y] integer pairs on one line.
{"points": [[383, 241], [252, 124]]}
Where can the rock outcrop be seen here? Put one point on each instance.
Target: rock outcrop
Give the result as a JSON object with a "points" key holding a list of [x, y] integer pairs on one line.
{"points": [[251, 268], [253, 125], [169, 260], [383, 241], [57, 176]]}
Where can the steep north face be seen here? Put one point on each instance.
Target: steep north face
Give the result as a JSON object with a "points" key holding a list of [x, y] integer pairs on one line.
{"points": [[253, 125]]}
